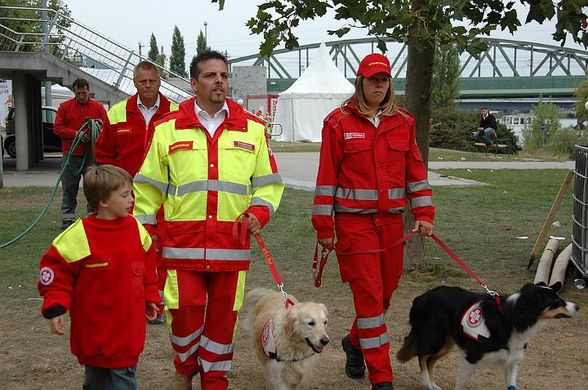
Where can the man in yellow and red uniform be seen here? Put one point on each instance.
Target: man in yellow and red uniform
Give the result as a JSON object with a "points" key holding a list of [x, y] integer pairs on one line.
{"points": [[370, 168], [208, 164], [127, 134]]}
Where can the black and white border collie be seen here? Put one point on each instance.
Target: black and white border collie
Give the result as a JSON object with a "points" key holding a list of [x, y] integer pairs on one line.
{"points": [[488, 330]]}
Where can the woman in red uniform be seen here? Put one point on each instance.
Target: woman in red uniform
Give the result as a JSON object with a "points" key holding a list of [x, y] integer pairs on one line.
{"points": [[370, 171]]}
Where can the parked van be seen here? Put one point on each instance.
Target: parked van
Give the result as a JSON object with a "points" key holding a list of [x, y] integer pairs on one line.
{"points": [[51, 142]]}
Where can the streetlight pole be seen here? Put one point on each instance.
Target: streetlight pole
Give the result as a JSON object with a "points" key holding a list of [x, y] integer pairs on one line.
{"points": [[206, 32]]}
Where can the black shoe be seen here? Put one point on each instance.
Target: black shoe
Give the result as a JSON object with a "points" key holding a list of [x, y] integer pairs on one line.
{"points": [[65, 223], [383, 386], [156, 321], [354, 364]]}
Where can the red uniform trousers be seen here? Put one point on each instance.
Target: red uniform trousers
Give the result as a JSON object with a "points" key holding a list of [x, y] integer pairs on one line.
{"points": [[203, 317], [372, 277]]}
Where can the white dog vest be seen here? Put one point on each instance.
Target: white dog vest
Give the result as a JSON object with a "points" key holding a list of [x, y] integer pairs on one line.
{"points": [[267, 340], [473, 323]]}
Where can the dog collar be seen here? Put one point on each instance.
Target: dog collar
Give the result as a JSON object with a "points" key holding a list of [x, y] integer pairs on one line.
{"points": [[473, 323]]}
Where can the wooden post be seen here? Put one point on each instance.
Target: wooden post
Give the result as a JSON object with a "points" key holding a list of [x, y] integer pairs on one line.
{"points": [[565, 185]]}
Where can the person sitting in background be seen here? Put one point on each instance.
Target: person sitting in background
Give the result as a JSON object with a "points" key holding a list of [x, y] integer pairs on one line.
{"points": [[487, 129]]}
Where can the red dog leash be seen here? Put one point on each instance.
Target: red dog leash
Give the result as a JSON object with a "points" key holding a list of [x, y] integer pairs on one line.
{"points": [[318, 267], [240, 233]]}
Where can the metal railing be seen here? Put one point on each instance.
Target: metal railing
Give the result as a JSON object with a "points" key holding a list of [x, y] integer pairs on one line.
{"points": [[45, 30]]}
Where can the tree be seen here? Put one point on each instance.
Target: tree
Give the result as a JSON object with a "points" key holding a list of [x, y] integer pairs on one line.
{"points": [[446, 77], [581, 101], [201, 44], [177, 59], [153, 49], [422, 24], [29, 21], [161, 57]]}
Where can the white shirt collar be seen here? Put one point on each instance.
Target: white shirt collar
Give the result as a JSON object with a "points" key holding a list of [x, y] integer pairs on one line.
{"points": [[211, 123], [142, 106]]}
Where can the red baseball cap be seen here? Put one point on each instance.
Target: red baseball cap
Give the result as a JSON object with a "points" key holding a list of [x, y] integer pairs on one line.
{"points": [[373, 64]]}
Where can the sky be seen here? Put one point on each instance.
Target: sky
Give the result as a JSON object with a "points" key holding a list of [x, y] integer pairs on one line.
{"points": [[132, 21]]}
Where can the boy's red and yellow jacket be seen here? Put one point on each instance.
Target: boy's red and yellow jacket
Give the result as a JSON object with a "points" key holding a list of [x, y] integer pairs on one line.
{"points": [[365, 169], [103, 273]]}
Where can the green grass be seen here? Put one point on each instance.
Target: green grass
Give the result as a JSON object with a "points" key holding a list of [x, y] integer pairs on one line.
{"points": [[481, 224], [435, 154]]}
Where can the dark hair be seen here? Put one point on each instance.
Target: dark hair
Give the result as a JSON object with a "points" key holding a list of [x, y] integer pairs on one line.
{"points": [[205, 56], [101, 180], [80, 83]]}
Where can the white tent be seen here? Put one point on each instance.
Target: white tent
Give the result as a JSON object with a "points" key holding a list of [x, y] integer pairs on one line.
{"points": [[302, 107]]}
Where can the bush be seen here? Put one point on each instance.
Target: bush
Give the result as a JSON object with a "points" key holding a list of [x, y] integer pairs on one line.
{"points": [[452, 129]]}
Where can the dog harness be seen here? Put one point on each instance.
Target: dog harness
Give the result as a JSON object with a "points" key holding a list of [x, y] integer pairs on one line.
{"points": [[473, 323], [267, 340]]}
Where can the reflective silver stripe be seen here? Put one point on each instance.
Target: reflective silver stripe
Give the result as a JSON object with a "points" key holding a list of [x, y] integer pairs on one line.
{"points": [[397, 210], [418, 186], [342, 209], [228, 254], [148, 219], [261, 181], [185, 340], [213, 346], [396, 193], [421, 201], [370, 322], [211, 254], [213, 185], [261, 202], [185, 355], [224, 365], [161, 186], [325, 190], [357, 194], [374, 342], [322, 209], [183, 253]]}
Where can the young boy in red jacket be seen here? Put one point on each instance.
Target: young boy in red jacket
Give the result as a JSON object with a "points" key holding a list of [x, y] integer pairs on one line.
{"points": [[104, 263]]}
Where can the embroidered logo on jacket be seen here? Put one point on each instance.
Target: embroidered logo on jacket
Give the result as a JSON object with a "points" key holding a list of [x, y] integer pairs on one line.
{"points": [[46, 276], [123, 131], [181, 145], [244, 145], [347, 136], [97, 265]]}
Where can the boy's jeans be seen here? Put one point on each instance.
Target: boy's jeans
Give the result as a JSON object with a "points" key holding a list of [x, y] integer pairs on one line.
{"points": [[97, 378]]}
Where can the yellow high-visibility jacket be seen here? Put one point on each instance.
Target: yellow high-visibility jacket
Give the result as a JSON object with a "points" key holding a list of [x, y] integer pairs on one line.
{"points": [[205, 184]]}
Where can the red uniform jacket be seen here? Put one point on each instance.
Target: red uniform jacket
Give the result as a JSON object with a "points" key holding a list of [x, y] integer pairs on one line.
{"points": [[124, 143], [369, 170], [103, 272], [71, 115]]}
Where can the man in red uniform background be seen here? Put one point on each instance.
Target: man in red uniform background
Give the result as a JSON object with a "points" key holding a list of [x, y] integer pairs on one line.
{"points": [[71, 116]]}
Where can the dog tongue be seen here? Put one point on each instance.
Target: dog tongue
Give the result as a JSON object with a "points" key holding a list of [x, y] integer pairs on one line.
{"points": [[318, 349]]}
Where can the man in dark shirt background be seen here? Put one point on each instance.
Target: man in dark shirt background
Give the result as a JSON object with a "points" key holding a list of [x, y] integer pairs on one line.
{"points": [[487, 129]]}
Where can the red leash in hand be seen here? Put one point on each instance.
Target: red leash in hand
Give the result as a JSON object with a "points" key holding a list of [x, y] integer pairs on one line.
{"points": [[318, 267], [240, 233]]}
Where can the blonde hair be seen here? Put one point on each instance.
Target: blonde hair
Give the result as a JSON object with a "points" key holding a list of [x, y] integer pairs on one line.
{"points": [[388, 105], [147, 65], [100, 181]]}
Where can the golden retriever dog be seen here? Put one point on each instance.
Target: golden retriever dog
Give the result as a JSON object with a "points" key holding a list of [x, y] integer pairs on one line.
{"points": [[287, 336]]}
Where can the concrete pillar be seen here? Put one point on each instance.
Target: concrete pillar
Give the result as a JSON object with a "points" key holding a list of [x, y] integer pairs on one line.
{"points": [[20, 121]]}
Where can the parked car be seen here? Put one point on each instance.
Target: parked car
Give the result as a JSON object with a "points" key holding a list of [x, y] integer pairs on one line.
{"points": [[51, 142]]}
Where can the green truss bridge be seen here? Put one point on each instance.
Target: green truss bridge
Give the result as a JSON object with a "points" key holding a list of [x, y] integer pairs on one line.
{"points": [[508, 68]]}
